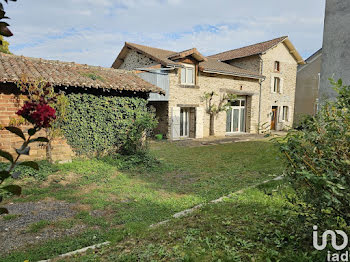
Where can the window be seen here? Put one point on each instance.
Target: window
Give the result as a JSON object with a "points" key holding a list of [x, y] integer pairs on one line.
{"points": [[277, 85], [285, 113], [188, 75], [277, 66]]}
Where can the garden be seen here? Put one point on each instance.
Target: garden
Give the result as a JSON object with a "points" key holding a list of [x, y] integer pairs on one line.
{"points": [[119, 196]]}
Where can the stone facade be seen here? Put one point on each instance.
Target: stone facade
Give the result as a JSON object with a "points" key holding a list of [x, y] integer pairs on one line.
{"points": [[10, 102], [191, 96], [136, 60], [265, 64]]}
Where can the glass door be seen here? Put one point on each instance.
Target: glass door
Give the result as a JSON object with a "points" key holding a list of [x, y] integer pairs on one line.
{"points": [[235, 121], [184, 122]]}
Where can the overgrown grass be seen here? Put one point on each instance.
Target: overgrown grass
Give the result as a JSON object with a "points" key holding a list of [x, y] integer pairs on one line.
{"points": [[257, 225], [134, 192]]}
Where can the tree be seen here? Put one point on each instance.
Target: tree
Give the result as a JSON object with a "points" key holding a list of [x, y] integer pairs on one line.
{"points": [[4, 47], [4, 31], [213, 110], [39, 92]]}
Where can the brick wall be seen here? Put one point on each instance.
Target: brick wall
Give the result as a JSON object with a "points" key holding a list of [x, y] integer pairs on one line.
{"points": [[10, 102]]}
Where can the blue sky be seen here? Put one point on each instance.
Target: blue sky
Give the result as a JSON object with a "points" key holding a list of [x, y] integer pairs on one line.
{"points": [[94, 31]]}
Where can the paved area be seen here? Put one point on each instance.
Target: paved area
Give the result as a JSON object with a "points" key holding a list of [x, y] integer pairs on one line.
{"points": [[223, 140]]}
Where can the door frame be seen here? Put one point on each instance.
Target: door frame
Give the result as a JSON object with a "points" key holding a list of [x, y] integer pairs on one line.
{"points": [[185, 122], [240, 107], [274, 113]]}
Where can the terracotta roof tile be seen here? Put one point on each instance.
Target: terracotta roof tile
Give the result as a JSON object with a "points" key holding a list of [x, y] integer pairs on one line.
{"points": [[248, 50], [12, 68]]}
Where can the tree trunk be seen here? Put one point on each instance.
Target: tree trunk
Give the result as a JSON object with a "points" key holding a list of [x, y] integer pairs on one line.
{"points": [[48, 147], [211, 126]]}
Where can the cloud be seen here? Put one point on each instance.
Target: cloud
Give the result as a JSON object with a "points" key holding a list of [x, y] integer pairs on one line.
{"points": [[94, 31]]}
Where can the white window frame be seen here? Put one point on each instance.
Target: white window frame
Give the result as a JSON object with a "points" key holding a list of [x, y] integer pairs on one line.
{"points": [[277, 89], [185, 69], [285, 113]]}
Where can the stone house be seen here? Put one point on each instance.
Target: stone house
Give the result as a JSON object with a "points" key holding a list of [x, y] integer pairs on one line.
{"points": [[69, 77], [307, 88], [263, 76]]}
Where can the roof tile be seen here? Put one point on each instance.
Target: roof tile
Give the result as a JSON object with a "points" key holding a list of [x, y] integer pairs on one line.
{"points": [[248, 50], [13, 67]]}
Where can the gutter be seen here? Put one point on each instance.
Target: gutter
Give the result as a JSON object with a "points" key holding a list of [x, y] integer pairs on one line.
{"points": [[260, 92]]}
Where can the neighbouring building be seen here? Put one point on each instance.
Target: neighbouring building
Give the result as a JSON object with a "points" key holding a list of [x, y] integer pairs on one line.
{"points": [[307, 89], [335, 50], [69, 77], [263, 76]]}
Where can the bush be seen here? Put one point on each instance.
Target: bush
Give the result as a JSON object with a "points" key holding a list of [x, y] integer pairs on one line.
{"points": [[102, 125], [319, 160]]}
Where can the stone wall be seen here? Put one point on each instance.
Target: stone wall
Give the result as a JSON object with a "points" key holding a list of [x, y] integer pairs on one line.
{"points": [[162, 117], [251, 63], [135, 60], [10, 102], [180, 95], [288, 71]]}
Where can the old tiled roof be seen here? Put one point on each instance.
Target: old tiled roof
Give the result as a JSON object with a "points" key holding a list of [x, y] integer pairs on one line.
{"points": [[164, 57], [12, 68], [248, 50], [213, 65]]}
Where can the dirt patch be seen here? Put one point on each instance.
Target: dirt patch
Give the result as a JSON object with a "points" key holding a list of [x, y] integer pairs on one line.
{"points": [[14, 233], [62, 179]]}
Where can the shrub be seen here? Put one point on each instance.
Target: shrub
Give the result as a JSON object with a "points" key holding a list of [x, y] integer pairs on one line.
{"points": [[101, 125], [319, 160]]}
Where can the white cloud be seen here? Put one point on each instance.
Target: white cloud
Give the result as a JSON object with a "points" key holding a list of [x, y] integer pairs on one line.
{"points": [[94, 31]]}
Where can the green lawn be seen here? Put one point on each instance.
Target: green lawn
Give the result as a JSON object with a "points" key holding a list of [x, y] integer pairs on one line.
{"points": [[133, 196]]}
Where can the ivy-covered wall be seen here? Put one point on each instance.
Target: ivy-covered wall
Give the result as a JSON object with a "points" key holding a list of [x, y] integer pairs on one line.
{"points": [[98, 124]]}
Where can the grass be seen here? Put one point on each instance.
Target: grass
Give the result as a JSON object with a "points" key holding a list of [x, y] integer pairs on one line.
{"points": [[257, 225], [36, 227], [10, 217], [135, 192]]}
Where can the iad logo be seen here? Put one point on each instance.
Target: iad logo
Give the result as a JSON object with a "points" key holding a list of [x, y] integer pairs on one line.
{"points": [[333, 235]]}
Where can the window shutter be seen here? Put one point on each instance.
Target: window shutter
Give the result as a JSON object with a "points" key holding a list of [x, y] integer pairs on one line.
{"points": [[199, 122], [183, 75], [272, 83], [175, 122], [281, 85]]}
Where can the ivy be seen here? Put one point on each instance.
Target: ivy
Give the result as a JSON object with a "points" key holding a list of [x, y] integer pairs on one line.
{"points": [[100, 125]]}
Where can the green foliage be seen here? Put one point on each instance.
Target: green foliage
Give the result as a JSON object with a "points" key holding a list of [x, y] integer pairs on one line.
{"points": [[93, 76], [318, 158], [4, 47], [45, 169], [99, 125], [13, 162]]}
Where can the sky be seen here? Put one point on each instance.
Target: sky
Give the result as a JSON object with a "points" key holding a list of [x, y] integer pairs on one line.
{"points": [[94, 31]]}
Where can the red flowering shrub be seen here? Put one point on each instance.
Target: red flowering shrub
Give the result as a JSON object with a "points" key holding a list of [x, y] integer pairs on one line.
{"points": [[40, 115]]}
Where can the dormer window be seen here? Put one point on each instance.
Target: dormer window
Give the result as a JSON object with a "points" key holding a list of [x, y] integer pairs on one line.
{"points": [[188, 75], [277, 66]]}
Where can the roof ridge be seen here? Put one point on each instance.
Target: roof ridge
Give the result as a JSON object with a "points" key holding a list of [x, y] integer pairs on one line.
{"points": [[212, 56], [51, 61], [129, 43]]}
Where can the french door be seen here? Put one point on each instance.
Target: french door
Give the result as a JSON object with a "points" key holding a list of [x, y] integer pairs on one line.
{"points": [[235, 121], [184, 122]]}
